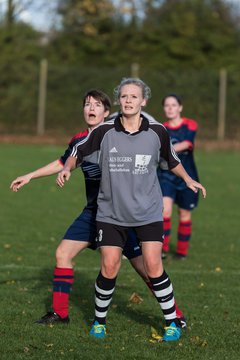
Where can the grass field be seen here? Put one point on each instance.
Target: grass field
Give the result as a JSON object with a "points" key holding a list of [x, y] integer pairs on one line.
{"points": [[206, 284]]}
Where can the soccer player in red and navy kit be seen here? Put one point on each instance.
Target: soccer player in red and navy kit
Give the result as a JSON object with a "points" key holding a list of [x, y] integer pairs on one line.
{"points": [[182, 132], [128, 149], [82, 232]]}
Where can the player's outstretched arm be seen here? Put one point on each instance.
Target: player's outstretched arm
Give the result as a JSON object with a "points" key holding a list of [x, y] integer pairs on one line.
{"points": [[192, 184], [49, 169], [66, 171]]}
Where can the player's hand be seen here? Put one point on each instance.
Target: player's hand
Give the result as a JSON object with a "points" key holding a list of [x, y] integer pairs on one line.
{"points": [[195, 186], [62, 177], [20, 182]]}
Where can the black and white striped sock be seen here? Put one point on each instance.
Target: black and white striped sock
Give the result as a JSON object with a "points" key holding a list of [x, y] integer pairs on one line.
{"points": [[163, 291], [104, 289]]}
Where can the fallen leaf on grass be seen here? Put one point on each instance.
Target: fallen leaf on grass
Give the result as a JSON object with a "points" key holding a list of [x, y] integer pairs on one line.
{"points": [[135, 298], [218, 269], [155, 336], [198, 341], [10, 282], [24, 289]]}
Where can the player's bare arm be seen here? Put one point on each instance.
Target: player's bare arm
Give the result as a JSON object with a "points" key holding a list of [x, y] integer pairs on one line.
{"points": [[65, 174], [181, 146], [191, 184], [47, 170]]}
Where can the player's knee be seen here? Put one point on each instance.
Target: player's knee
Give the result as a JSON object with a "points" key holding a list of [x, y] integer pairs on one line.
{"points": [[62, 255], [110, 268], [184, 215], [167, 212], [153, 267]]}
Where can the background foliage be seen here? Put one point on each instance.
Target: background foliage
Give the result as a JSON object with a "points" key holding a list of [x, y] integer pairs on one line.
{"points": [[179, 46]]}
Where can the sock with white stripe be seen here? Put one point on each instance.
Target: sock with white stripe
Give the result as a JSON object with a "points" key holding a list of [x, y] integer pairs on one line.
{"points": [[163, 291], [104, 289]]}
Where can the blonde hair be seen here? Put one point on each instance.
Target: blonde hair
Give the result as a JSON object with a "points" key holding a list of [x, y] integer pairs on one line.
{"points": [[146, 91]]}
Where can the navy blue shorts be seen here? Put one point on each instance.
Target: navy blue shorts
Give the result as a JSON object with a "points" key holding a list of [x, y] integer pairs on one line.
{"points": [[132, 248], [84, 229], [184, 198]]}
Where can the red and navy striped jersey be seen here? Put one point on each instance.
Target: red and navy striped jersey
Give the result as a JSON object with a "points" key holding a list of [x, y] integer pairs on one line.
{"points": [[186, 131], [91, 172]]}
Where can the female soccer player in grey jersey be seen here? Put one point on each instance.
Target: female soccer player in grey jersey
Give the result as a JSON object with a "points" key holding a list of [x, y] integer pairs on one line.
{"points": [[128, 149]]}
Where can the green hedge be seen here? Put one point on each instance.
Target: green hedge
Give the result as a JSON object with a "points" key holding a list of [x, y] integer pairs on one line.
{"points": [[66, 86]]}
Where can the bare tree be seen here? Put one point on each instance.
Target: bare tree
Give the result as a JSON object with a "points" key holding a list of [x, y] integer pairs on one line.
{"points": [[14, 9]]}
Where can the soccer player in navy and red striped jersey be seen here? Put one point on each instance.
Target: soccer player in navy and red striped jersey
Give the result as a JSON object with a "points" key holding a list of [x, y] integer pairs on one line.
{"points": [[82, 232], [182, 132]]}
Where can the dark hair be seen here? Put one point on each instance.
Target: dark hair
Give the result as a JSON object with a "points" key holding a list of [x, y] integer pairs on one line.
{"points": [[175, 96], [100, 96]]}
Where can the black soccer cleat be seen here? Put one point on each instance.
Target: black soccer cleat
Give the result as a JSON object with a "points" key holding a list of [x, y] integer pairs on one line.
{"points": [[52, 318], [182, 322], [178, 256]]}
